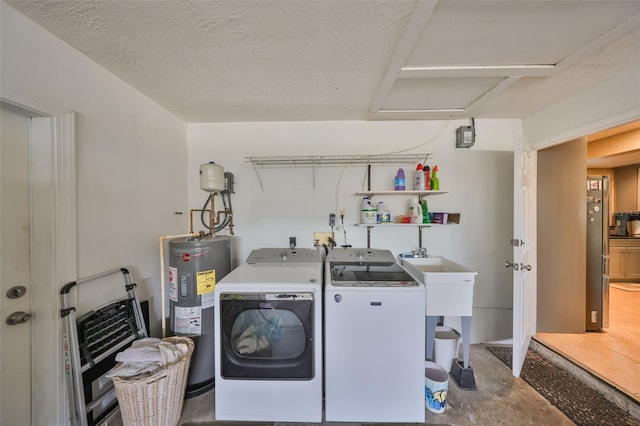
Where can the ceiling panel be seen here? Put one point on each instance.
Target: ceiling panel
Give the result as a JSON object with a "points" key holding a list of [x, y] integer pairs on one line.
{"points": [[437, 93], [514, 32]]}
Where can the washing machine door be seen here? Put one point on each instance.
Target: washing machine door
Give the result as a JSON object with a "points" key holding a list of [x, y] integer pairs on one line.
{"points": [[267, 336]]}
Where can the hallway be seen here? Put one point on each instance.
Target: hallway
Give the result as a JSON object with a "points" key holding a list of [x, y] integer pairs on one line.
{"points": [[613, 354]]}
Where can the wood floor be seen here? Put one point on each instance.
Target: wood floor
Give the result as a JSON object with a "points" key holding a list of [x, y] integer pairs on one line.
{"points": [[613, 354]]}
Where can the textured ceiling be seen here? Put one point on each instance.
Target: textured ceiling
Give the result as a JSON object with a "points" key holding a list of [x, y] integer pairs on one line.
{"points": [[285, 60]]}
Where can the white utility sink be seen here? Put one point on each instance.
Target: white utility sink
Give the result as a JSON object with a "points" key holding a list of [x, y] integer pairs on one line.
{"points": [[449, 285]]}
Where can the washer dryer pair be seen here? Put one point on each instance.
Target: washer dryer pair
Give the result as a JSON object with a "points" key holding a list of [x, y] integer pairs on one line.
{"points": [[268, 339]]}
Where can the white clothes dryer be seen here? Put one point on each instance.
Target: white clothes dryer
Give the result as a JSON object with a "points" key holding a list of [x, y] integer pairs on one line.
{"points": [[268, 340], [374, 339]]}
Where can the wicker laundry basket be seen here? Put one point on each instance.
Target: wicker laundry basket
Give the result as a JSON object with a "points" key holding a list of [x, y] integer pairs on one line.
{"points": [[157, 399]]}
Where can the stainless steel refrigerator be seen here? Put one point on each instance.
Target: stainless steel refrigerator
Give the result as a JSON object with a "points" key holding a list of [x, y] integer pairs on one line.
{"points": [[597, 313]]}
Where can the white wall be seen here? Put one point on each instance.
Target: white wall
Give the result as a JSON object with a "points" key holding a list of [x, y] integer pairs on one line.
{"points": [[131, 153], [290, 205]]}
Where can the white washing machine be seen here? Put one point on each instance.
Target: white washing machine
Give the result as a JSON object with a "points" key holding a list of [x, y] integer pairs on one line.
{"points": [[374, 339], [268, 340]]}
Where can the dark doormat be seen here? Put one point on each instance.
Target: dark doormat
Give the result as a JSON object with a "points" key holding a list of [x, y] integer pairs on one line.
{"points": [[579, 402]]}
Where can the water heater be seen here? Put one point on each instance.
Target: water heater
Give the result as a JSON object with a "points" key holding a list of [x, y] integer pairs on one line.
{"points": [[195, 265]]}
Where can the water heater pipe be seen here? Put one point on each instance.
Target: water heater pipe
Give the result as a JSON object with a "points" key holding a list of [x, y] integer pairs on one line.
{"points": [[212, 221], [162, 286]]}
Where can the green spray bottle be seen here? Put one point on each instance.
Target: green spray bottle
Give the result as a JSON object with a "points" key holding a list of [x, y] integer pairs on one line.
{"points": [[435, 182], [426, 217]]}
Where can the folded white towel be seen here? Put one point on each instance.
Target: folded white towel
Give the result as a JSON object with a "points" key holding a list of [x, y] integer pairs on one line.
{"points": [[133, 370], [141, 354], [147, 341], [147, 356], [170, 353]]}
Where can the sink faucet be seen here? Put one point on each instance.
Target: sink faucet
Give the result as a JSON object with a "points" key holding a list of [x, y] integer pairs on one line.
{"points": [[421, 252]]}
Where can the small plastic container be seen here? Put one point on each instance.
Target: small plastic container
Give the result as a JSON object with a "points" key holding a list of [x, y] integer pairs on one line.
{"points": [[403, 218], [436, 385], [446, 347]]}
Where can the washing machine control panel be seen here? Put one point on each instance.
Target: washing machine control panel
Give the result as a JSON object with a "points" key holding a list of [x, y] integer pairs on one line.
{"points": [[366, 268], [361, 255], [285, 255]]}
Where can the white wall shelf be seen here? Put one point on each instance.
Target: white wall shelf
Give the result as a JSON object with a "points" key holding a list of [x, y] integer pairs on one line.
{"points": [[420, 194], [334, 160]]}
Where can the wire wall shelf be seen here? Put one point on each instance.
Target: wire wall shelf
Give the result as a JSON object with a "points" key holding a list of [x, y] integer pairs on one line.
{"points": [[334, 160], [314, 161]]}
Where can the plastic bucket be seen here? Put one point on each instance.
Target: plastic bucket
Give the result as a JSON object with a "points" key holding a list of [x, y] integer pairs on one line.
{"points": [[436, 385], [447, 342]]}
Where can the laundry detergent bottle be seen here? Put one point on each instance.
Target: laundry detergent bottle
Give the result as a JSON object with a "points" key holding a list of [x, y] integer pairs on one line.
{"points": [[400, 180], [368, 211], [415, 211]]}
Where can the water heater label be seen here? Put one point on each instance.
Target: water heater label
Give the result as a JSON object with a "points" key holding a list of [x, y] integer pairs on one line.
{"points": [[173, 284], [206, 281], [188, 320]]}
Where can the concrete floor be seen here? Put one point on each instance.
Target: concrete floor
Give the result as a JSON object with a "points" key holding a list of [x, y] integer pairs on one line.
{"points": [[500, 399]]}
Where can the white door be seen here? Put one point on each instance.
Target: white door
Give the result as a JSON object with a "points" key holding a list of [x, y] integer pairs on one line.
{"points": [[42, 211], [15, 278], [524, 253]]}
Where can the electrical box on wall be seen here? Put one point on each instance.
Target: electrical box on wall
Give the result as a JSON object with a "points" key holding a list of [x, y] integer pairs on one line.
{"points": [[465, 136]]}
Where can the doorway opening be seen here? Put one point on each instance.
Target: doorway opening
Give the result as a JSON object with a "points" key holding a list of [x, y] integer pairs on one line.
{"points": [[613, 354]]}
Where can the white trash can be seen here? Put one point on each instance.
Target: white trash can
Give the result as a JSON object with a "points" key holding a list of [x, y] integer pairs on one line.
{"points": [[436, 385], [446, 345]]}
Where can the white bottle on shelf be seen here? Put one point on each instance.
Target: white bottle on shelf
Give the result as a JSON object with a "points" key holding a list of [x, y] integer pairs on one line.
{"points": [[383, 215], [415, 211], [419, 180], [368, 212]]}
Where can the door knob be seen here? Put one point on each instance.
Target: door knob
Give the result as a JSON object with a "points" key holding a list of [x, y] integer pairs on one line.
{"points": [[508, 264], [18, 317], [525, 267]]}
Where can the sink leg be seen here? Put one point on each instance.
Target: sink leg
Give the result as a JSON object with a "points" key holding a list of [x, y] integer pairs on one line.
{"points": [[466, 339], [431, 323]]}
